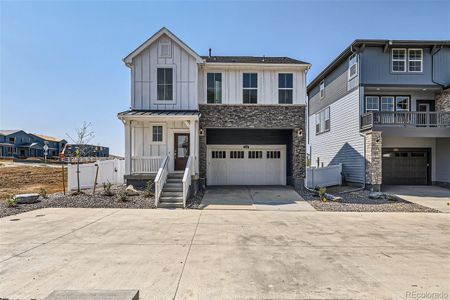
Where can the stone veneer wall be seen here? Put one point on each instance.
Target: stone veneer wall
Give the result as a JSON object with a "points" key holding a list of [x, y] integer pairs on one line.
{"points": [[258, 117], [443, 101], [374, 160]]}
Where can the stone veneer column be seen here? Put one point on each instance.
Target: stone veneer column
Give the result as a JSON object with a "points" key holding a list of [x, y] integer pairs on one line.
{"points": [[443, 101], [374, 160]]}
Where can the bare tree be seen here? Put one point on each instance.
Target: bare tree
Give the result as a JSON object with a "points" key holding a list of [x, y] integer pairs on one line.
{"points": [[83, 136]]}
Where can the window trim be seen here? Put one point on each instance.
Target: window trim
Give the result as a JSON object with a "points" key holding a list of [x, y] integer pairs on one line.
{"points": [[285, 89], [206, 86], [174, 76], [322, 89], [163, 133], [355, 57], [378, 101], [243, 88], [421, 60], [317, 115], [395, 102], [405, 60]]}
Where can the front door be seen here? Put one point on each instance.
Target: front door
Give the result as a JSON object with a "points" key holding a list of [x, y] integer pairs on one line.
{"points": [[181, 150]]}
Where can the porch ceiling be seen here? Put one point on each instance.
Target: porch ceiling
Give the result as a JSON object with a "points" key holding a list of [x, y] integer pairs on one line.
{"points": [[158, 114]]}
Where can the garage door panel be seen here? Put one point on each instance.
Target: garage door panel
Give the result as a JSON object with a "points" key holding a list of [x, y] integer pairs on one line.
{"points": [[406, 166], [262, 165]]}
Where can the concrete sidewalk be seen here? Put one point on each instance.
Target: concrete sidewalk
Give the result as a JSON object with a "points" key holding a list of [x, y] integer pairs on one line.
{"points": [[254, 198], [208, 254], [430, 196]]}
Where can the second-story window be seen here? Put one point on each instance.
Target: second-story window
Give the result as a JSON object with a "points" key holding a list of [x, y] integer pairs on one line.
{"points": [[214, 86], [165, 84], [285, 88], [402, 103], [415, 59], [250, 88], [398, 60], [387, 103], [322, 89]]}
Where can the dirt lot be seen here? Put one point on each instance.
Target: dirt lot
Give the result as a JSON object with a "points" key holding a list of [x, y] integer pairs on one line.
{"points": [[28, 178]]}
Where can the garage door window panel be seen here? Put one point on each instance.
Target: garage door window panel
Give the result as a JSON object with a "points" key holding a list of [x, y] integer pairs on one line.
{"points": [[219, 154]]}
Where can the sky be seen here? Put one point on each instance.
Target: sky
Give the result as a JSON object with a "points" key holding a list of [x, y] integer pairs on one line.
{"points": [[61, 61]]}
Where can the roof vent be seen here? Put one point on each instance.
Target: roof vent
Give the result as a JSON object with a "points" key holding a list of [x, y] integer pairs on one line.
{"points": [[209, 52], [264, 58]]}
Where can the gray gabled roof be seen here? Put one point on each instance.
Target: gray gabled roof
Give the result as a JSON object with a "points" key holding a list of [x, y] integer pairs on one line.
{"points": [[357, 44], [253, 60], [8, 132]]}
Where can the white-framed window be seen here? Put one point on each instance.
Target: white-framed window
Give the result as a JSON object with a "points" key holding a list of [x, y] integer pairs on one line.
{"points": [[165, 49], [214, 87], [372, 103], [164, 84], [387, 103], [323, 121], [157, 133], [415, 60], [254, 154], [250, 88], [402, 103], [322, 89], [218, 154], [285, 88], [398, 60], [352, 66]]}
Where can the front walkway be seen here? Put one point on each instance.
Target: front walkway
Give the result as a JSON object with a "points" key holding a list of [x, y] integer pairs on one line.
{"points": [[429, 196], [224, 254], [254, 198]]}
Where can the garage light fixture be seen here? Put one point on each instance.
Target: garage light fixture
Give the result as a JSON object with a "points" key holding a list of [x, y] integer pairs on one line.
{"points": [[201, 132]]}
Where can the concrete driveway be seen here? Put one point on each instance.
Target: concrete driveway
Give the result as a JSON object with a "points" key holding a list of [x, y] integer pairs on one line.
{"points": [[227, 254], [425, 195], [254, 198]]}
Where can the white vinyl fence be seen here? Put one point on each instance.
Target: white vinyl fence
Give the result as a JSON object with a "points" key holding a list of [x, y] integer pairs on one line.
{"points": [[108, 170], [326, 176]]}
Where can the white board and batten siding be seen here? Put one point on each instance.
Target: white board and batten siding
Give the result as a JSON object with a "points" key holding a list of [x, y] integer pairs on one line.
{"points": [[343, 143], [144, 72], [232, 84]]}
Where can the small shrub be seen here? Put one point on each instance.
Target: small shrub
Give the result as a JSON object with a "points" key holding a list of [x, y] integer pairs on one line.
{"points": [[148, 192], [11, 201], [322, 191], [107, 189], [43, 193], [123, 196]]}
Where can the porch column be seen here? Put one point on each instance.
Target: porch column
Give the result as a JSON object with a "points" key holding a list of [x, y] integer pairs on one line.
{"points": [[193, 141], [374, 160], [127, 126]]}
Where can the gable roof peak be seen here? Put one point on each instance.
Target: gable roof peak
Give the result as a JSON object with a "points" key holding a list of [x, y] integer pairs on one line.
{"points": [[129, 58]]}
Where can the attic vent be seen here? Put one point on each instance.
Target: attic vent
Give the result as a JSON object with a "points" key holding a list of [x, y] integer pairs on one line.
{"points": [[164, 48]]}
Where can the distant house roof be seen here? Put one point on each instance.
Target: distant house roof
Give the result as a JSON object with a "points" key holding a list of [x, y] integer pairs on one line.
{"points": [[48, 138], [8, 132], [253, 60], [159, 113], [361, 43]]}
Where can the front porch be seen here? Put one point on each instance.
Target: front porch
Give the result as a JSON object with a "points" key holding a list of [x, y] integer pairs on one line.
{"points": [[158, 146]]}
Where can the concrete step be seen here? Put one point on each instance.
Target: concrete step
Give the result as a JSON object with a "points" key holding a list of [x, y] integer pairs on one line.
{"points": [[171, 194], [173, 185], [175, 175], [174, 180], [173, 189], [170, 205], [171, 199]]}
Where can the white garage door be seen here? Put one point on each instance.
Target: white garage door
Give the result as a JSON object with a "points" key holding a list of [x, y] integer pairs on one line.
{"points": [[255, 165]]}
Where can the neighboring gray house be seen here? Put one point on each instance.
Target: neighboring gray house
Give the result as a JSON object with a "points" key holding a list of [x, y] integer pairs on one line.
{"points": [[218, 120], [18, 144], [382, 109]]}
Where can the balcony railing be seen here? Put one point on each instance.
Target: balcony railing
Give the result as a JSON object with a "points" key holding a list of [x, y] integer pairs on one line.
{"points": [[405, 119]]}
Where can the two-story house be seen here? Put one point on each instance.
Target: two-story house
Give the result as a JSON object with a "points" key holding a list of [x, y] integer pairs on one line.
{"points": [[215, 120], [18, 144], [382, 109], [54, 144]]}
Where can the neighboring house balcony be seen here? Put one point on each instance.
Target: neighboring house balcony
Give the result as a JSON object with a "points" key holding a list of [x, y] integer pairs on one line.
{"points": [[425, 124]]}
